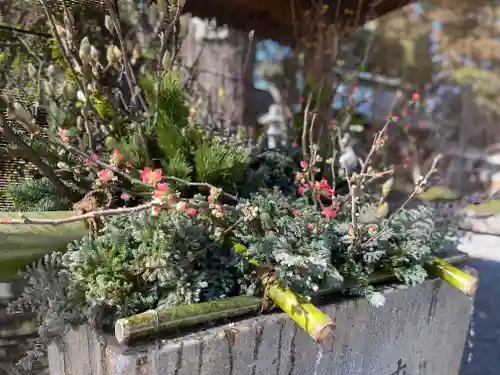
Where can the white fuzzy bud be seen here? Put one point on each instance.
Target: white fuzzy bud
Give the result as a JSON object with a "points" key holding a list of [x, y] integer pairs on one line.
{"points": [[108, 23], [50, 71], [110, 55], [80, 96], [165, 61], [84, 51], [32, 71], [94, 53]]}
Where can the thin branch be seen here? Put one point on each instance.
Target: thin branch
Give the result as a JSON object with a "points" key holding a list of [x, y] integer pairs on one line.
{"points": [[72, 219]]}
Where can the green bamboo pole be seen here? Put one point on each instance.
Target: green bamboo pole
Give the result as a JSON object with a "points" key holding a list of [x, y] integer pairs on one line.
{"points": [[153, 321], [316, 323], [461, 280]]}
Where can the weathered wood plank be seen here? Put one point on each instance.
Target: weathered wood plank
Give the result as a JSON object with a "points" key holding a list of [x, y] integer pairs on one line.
{"points": [[22, 244]]}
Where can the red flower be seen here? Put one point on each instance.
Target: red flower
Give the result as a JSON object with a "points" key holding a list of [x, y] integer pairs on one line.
{"points": [[94, 156], [155, 210], [106, 175], [125, 196], [191, 211], [350, 228], [329, 212], [298, 176], [151, 176], [310, 226], [415, 96], [161, 190], [181, 206], [294, 213], [117, 157], [304, 164], [63, 133], [300, 190]]}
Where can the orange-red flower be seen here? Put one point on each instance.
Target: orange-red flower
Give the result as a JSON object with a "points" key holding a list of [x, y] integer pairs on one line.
{"points": [[161, 191], [329, 212], [63, 133], [94, 156], [106, 175], [151, 176], [117, 157]]}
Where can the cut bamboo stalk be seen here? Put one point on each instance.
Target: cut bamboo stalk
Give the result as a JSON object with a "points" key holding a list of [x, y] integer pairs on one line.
{"points": [[311, 319], [461, 280], [316, 323], [153, 321]]}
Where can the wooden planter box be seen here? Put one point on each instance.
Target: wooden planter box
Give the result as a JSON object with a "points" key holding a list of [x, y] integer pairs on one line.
{"points": [[419, 331]]}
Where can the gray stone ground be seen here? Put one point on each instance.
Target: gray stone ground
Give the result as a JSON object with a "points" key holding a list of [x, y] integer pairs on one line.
{"points": [[482, 357]]}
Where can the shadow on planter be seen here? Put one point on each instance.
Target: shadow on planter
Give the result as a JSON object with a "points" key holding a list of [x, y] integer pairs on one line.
{"points": [[482, 354], [419, 330]]}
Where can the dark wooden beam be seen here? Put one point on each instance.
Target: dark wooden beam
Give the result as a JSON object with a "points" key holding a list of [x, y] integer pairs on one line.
{"points": [[277, 19]]}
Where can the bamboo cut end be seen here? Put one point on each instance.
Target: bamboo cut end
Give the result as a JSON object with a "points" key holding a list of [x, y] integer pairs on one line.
{"points": [[121, 331], [325, 334], [473, 287]]}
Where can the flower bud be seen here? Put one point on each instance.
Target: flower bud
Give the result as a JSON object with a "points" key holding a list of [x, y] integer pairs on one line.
{"points": [[117, 52], [94, 53], [165, 61], [50, 71], [108, 23], [80, 96], [136, 54], [84, 51], [47, 88], [32, 71], [110, 55], [68, 90]]}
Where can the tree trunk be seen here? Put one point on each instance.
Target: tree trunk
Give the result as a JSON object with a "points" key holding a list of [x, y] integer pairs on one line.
{"points": [[220, 62]]}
